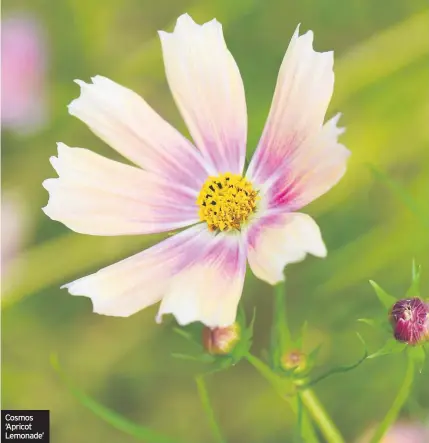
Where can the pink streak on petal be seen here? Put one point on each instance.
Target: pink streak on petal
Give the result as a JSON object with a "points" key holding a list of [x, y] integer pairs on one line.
{"points": [[126, 287], [198, 276], [209, 286], [298, 158], [310, 172]]}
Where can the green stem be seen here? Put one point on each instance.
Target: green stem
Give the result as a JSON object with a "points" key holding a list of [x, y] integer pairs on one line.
{"points": [[286, 390], [281, 341], [398, 403], [205, 400], [321, 417], [280, 331]]}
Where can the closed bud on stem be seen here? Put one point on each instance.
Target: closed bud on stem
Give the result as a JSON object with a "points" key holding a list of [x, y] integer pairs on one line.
{"points": [[294, 360], [410, 321], [221, 341]]}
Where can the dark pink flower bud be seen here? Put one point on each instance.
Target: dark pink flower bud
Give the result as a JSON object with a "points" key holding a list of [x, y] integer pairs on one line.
{"points": [[221, 341], [410, 321]]}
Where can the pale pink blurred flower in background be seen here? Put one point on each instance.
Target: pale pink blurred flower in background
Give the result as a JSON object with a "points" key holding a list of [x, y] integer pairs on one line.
{"points": [[402, 432], [23, 74], [13, 230]]}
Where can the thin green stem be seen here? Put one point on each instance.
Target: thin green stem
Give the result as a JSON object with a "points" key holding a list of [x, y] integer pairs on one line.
{"points": [[281, 341], [321, 417], [398, 403], [286, 390], [205, 400], [280, 331]]}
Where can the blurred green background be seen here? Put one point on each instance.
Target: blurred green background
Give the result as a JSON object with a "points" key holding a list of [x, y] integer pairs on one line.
{"points": [[372, 232]]}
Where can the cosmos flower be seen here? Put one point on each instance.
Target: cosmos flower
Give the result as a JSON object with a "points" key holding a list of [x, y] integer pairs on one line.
{"points": [[198, 274], [23, 70]]}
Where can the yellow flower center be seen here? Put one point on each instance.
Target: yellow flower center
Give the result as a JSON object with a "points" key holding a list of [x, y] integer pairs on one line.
{"points": [[226, 201]]}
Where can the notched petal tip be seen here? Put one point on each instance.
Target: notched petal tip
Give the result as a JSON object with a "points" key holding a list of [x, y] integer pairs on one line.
{"points": [[74, 104], [48, 182], [81, 83], [320, 250], [184, 20]]}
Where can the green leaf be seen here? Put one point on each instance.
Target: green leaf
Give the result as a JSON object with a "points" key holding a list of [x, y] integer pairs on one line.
{"points": [[418, 354], [386, 299], [299, 341], [283, 386], [390, 347], [205, 401], [243, 346], [340, 369], [414, 290], [382, 324], [203, 358], [221, 363], [370, 321], [106, 414], [415, 271]]}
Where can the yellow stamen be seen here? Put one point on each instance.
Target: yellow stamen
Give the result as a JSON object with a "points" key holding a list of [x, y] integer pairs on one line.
{"points": [[226, 202]]}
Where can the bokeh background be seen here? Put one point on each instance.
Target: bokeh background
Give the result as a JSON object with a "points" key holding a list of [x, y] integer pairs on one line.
{"points": [[372, 231]]}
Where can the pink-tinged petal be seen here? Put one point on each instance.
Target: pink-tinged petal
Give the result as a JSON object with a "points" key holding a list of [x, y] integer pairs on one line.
{"points": [[198, 276], [316, 167], [303, 91], [23, 73], [207, 87], [98, 196], [276, 240], [209, 287], [131, 285], [128, 124]]}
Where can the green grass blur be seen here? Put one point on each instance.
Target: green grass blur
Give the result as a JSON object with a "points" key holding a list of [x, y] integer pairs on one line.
{"points": [[382, 70]]}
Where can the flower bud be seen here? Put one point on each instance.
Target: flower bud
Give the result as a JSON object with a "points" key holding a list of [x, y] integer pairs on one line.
{"points": [[294, 360], [410, 321], [221, 341]]}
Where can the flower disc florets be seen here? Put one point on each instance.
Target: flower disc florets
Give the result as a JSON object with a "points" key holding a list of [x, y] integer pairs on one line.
{"points": [[410, 321], [226, 202]]}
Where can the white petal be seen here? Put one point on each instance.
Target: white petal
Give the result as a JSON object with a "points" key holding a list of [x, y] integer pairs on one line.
{"points": [[98, 196], [131, 285], [275, 241], [126, 122], [207, 87], [303, 91], [209, 288]]}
